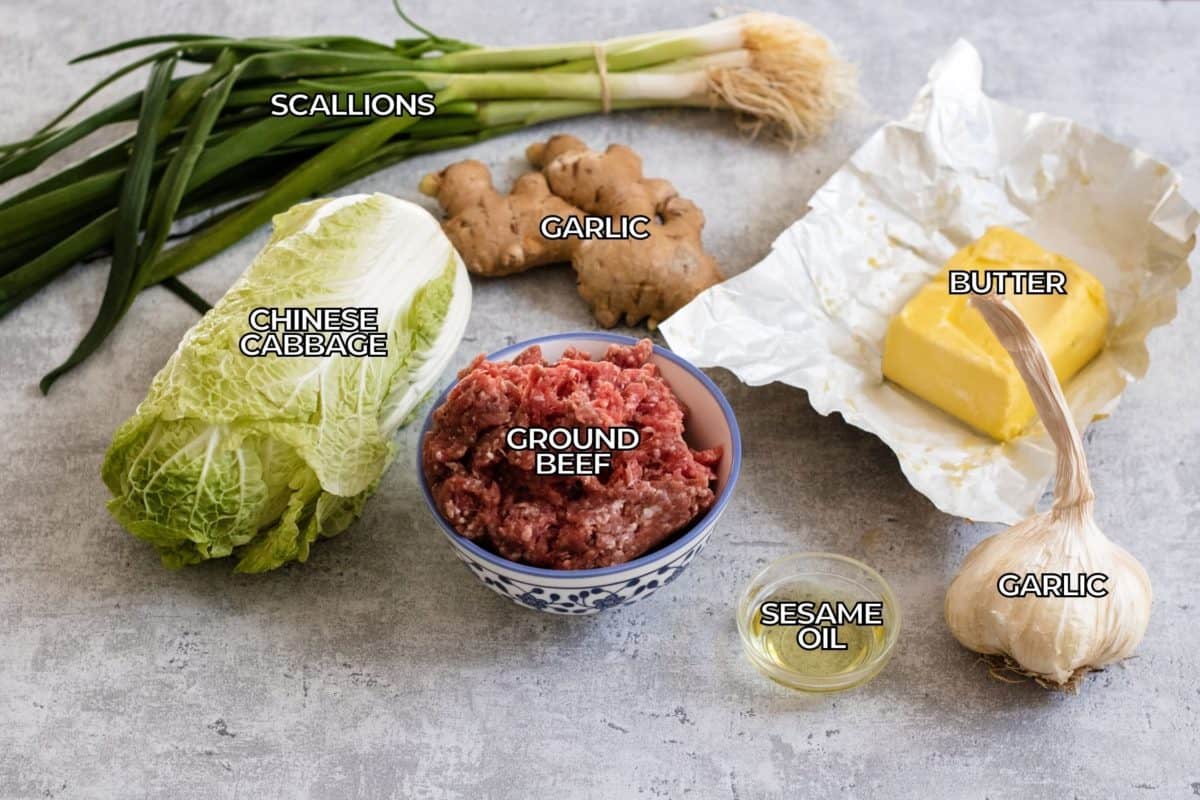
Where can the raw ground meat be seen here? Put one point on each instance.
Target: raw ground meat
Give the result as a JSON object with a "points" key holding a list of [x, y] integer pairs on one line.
{"points": [[491, 495]]}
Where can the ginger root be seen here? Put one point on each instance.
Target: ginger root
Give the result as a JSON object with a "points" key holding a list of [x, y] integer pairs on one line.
{"points": [[496, 234], [632, 278]]}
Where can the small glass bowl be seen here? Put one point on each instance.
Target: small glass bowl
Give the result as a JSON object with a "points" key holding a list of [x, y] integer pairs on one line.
{"points": [[848, 580]]}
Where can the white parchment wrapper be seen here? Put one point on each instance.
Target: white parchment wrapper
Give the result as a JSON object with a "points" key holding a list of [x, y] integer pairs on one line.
{"points": [[814, 312]]}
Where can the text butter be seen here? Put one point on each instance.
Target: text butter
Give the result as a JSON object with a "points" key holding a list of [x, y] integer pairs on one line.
{"points": [[940, 349]]}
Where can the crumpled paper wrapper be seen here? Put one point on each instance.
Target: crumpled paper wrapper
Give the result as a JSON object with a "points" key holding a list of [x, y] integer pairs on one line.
{"points": [[814, 312]]}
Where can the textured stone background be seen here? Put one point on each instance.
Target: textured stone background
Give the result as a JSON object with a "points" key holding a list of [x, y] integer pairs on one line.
{"points": [[382, 669]]}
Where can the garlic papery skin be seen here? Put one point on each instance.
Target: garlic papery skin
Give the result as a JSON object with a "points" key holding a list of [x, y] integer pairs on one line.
{"points": [[1054, 639]]}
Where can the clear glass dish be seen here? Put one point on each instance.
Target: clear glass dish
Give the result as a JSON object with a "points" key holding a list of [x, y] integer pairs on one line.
{"points": [[819, 576]]}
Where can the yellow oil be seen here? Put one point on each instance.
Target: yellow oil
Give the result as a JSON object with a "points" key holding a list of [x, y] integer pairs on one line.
{"points": [[778, 643]]}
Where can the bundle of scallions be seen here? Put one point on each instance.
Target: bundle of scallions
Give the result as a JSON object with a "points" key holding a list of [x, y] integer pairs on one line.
{"points": [[206, 146]]}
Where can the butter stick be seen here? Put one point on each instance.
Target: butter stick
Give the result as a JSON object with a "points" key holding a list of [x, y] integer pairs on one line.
{"points": [[940, 349]]}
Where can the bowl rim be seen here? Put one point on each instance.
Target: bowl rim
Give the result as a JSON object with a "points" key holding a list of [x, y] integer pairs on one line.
{"points": [[679, 545], [798, 564]]}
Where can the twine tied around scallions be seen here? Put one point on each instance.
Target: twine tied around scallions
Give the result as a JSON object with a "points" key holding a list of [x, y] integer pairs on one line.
{"points": [[1053, 640], [205, 143]]}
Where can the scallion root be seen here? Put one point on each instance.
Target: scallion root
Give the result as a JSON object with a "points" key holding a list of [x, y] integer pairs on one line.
{"points": [[794, 85]]}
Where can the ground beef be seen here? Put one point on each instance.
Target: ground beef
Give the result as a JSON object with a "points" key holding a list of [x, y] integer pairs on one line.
{"points": [[491, 495]]}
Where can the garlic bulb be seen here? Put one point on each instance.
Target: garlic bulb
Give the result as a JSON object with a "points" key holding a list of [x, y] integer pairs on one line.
{"points": [[1055, 639]]}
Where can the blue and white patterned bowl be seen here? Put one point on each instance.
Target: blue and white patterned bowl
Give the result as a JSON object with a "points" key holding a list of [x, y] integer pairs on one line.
{"points": [[710, 422]]}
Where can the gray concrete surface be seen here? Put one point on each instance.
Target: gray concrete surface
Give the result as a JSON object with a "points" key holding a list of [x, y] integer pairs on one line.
{"points": [[382, 669]]}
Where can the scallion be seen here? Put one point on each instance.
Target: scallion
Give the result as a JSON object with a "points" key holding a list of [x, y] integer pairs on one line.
{"points": [[207, 140]]}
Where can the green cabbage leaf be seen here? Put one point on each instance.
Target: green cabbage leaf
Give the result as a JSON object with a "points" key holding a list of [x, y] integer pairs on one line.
{"points": [[258, 457]]}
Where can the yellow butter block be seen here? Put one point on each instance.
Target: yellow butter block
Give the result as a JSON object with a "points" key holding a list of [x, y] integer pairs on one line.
{"points": [[940, 349]]}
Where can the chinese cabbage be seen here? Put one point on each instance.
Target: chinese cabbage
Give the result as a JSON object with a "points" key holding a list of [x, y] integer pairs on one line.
{"points": [[256, 458]]}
